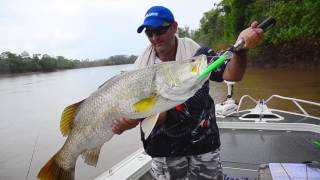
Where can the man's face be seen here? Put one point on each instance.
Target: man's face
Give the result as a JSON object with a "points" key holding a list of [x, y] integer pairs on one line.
{"points": [[163, 38]]}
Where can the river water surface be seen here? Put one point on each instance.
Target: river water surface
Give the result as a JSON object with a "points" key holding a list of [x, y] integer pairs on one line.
{"points": [[31, 105]]}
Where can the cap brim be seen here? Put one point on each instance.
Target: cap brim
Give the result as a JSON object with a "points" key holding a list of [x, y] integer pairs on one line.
{"points": [[140, 28], [152, 23]]}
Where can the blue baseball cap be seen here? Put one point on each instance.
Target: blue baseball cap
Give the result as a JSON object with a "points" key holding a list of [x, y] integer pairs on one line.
{"points": [[155, 17]]}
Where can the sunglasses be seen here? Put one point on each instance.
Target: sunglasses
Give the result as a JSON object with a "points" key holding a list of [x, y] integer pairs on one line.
{"points": [[156, 31]]}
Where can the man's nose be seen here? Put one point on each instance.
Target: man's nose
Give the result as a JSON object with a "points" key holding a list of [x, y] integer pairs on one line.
{"points": [[154, 36]]}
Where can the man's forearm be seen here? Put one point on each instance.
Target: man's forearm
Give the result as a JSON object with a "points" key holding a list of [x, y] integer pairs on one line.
{"points": [[236, 67]]}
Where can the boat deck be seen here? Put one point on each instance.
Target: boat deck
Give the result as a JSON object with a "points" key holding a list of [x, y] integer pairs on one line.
{"points": [[248, 144], [250, 148]]}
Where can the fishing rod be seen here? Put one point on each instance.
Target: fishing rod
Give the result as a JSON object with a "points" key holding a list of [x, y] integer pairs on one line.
{"points": [[34, 150], [228, 54]]}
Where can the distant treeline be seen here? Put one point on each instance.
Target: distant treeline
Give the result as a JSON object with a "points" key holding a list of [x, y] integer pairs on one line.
{"points": [[294, 39], [13, 63]]}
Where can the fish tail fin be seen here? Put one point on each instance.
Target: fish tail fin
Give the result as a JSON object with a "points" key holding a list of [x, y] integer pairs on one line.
{"points": [[91, 156], [52, 171]]}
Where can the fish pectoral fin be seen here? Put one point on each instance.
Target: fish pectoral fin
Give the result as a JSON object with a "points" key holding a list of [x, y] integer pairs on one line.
{"points": [[67, 118], [91, 156], [145, 104], [148, 124]]}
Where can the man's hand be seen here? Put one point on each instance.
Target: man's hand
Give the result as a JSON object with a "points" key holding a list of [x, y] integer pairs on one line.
{"points": [[120, 125], [252, 36], [235, 69]]}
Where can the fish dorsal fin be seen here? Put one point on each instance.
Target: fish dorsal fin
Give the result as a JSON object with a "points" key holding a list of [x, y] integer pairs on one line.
{"points": [[148, 124], [67, 118], [114, 78], [145, 104]]}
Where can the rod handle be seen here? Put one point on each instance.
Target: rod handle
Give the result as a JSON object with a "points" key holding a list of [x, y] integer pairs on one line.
{"points": [[266, 23]]}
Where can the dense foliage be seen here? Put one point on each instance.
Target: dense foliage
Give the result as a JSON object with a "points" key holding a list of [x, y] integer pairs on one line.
{"points": [[297, 26], [13, 63], [296, 19]]}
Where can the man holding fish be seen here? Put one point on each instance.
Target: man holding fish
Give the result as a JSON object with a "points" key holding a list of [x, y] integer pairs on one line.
{"points": [[185, 141], [168, 94]]}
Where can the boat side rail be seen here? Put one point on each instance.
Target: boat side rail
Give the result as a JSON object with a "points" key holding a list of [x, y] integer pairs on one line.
{"points": [[294, 100], [242, 98]]}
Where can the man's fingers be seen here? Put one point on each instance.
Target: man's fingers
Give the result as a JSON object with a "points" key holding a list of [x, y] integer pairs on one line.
{"points": [[116, 130], [116, 126], [126, 122], [252, 36], [254, 24], [258, 32], [120, 125]]}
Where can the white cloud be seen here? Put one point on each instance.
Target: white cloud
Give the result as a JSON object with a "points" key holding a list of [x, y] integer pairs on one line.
{"points": [[84, 28]]}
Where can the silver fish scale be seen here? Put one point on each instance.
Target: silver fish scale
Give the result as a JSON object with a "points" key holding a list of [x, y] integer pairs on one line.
{"points": [[115, 99]]}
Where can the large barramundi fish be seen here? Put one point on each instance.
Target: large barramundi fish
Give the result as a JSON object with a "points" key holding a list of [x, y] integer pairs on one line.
{"points": [[142, 93]]}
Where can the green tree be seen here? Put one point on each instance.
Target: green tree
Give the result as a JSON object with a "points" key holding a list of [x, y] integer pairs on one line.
{"points": [[185, 32], [4, 66], [48, 63]]}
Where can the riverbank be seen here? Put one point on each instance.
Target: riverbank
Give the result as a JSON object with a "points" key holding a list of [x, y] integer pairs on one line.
{"points": [[298, 54]]}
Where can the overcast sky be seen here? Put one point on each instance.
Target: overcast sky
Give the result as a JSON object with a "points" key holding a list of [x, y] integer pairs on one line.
{"points": [[83, 29]]}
